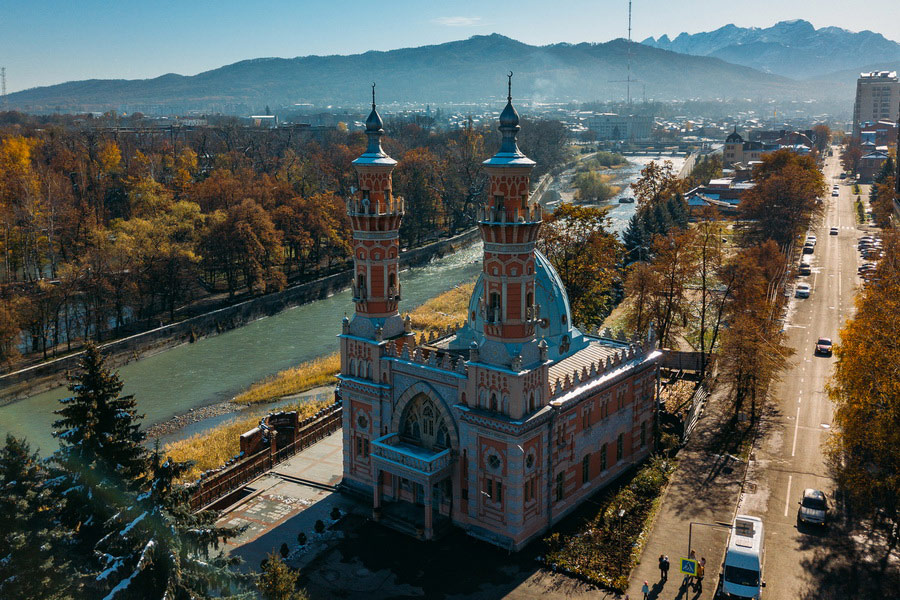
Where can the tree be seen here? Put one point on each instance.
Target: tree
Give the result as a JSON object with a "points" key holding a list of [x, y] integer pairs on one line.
{"points": [[864, 449], [32, 543], [709, 262], [850, 156], [636, 240], [784, 199], [578, 244], [592, 187], [277, 581], [157, 547], [705, 170], [657, 184], [821, 136], [100, 455], [9, 330]]}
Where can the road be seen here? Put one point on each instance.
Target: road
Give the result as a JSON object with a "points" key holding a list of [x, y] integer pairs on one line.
{"points": [[789, 453]]}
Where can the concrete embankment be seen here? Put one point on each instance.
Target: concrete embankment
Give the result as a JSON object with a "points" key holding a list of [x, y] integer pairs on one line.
{"points": [[50, 374]]}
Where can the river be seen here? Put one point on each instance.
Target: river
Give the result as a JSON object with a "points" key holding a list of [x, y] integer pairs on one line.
{"points": [[216, 368]]}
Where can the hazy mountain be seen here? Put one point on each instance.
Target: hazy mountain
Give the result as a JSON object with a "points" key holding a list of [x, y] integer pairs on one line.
{"points": [[462, 71], [789, 48]]}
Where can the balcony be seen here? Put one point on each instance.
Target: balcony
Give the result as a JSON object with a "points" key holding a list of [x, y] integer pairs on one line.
{"points": [[396, 456]]}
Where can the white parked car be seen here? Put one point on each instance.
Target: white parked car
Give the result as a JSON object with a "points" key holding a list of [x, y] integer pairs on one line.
{"points": [[802, 290]]}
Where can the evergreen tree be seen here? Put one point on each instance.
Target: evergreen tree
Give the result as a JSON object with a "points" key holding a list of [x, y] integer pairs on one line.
{"points": [[31, 541], [278, 581], [662, 220], [636, 240], [100, 456], [157, 547], [678, 212]]}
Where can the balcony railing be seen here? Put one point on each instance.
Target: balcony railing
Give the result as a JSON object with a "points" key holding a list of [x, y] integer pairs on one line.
{"points": [[392, 449]]}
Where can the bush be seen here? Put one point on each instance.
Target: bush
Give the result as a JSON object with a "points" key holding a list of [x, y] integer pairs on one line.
{"points": [[335, 513], [301, 538], [319, 526], [284, 550]]}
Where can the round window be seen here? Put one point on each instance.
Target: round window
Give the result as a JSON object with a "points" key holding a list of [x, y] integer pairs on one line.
{"points": [[494, 461], [362, 421]]}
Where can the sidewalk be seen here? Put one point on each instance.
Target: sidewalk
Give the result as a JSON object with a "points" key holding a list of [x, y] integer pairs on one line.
{"points": [[704, 489]]}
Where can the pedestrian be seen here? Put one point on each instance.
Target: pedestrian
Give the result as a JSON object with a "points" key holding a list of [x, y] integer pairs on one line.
{"points": [[662, 567], [701, 571], [645, 589], [665, 568]]}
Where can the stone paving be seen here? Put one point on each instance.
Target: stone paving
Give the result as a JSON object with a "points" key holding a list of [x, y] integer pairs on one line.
{"points": [[288, 500]]}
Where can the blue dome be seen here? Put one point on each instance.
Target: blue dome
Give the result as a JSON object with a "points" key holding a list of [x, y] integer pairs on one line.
{"points": [[550, 295]]}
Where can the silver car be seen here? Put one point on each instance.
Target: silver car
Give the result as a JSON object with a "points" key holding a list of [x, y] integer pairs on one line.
{"points": [[813, 508]]}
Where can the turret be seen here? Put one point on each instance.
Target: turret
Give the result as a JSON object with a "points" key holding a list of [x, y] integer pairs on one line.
{"points": [[509, 223], [375, 216]]}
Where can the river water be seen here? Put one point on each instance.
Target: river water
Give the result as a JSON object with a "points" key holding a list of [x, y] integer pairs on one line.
{"points": [[216, 368]]}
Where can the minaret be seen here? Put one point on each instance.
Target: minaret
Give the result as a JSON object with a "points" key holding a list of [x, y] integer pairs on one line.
{"points": [[509, 224], [375, 215]]}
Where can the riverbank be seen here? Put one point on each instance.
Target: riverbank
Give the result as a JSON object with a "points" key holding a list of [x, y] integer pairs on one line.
{"points": [[44, 376]]}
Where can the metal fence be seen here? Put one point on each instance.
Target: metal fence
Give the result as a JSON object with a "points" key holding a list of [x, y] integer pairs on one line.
{"points": [[220, 484]]}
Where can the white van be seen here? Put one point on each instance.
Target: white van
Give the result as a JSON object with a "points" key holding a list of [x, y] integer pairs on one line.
{"points": [[742, 571]]}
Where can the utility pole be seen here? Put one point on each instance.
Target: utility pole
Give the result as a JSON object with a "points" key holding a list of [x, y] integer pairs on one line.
{"points": [[3, 88]]}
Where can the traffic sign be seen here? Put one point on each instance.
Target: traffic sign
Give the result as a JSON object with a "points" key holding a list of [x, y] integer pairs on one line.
{"points": [[689, 566]]}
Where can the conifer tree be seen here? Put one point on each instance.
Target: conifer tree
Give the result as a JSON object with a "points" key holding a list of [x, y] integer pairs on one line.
{"points": [[678, 213], [636, 240], [278, 581], [100, 456], [157, 547], [31, 541]]}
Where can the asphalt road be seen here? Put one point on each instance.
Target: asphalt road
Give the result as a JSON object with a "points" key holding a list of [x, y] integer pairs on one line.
{"points": [[789, 453]]}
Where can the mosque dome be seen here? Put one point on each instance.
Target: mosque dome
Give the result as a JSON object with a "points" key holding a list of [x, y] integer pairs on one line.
{"points": [[374, 122], [509, 118], [556, 328]]}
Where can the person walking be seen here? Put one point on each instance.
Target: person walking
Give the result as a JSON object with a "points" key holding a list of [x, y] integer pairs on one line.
{"points": [[662, 567], [701, 571], [645, 589], [665, 568]]}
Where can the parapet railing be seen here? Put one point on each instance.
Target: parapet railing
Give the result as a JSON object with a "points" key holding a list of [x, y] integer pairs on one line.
{"points": [[218, 484]]}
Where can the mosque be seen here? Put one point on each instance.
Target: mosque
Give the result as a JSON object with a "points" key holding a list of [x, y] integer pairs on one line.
{"points": [[506, 424]]}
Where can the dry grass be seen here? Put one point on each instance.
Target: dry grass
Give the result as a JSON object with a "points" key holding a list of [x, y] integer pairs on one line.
{"points": [[443, 311], [210, 449], [305, 376]]}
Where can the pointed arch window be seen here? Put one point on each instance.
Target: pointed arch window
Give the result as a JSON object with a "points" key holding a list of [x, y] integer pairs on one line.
{"points": [[423, 425]]}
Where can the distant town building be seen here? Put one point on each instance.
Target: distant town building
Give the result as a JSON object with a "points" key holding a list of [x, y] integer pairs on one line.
{"points": [[882, 133], [737, 150], [723, 194], [267, 121], [870, 164], [506, 424], [877, 99], [616, 128]]}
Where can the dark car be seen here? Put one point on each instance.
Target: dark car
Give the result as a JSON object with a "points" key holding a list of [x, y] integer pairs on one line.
{"points": [[823, 346], [813, 508]]}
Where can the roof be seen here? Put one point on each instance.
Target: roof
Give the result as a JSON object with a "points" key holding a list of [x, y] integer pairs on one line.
{"points": [[597, 350], [746, 535]]}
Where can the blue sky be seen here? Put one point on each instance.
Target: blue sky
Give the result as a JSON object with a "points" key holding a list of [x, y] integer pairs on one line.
{"points": [[50, 41]]}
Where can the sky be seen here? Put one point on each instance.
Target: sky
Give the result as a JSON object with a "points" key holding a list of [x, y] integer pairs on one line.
{"points": [[43, 42]]}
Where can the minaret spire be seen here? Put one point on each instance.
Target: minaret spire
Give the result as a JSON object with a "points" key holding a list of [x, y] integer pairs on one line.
{"points": [[373, 95], [509, 87]]}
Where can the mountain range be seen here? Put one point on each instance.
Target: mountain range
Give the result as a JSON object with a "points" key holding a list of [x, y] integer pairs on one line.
{"points": [[470, 70], [731, 62], [793, 49]]}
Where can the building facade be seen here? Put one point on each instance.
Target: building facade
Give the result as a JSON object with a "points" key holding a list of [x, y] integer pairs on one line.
{"points": [[877, 99], [502, 425], [613, 127]]}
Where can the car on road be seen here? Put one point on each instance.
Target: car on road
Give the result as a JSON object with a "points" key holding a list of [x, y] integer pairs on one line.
{"points": [[813, 508], [802, 290], [810, 238], [868, 266], [835, 194], [823, 347], [809, 248], [833, 231], [843, 176]]}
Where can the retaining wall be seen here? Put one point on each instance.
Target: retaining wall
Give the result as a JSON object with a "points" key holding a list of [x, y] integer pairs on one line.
{"points": [[43, 376]]}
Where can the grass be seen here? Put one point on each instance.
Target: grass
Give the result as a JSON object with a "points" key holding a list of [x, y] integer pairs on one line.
{"points": [[211, 449], [306, 376]]}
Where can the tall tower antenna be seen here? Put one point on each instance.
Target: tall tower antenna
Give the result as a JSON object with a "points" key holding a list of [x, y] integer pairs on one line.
{"points": [[3, 87], [628, 80]]}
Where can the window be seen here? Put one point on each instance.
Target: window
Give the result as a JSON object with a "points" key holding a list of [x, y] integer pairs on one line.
{"points": [[586, 468], [494, 402], [586, 419], [560, 481], [620, 447], [494, 308], [603, 454], [361, 286], [643, 434], [493, 489], [488, 487], [392, 280], [358, 446], [366, 448]]}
